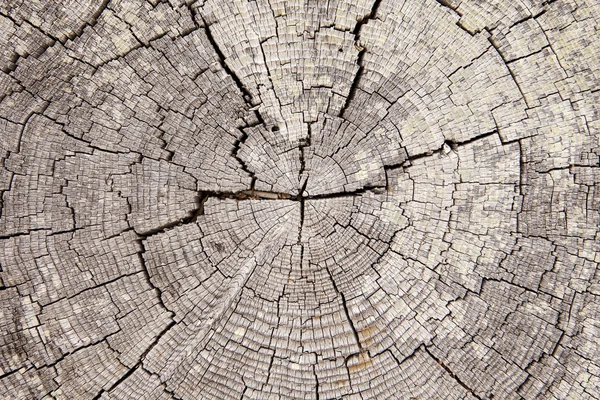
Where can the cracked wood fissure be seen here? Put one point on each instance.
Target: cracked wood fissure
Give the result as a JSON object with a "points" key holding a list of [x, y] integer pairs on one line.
{"points": [[356, 32], [299, 200]]}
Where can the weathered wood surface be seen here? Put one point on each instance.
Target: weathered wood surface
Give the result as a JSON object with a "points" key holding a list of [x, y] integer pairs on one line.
{"points": [[299, 199]]}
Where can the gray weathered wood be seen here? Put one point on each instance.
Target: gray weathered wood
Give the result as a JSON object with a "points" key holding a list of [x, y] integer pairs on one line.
{"points": [[292, 199]]}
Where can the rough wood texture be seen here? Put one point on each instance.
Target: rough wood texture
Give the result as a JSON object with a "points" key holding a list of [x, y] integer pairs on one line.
{"points": [[299, 199]]}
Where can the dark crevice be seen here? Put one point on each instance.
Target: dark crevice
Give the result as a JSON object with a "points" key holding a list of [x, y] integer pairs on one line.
{"points": [[355, 83], [148, 277], [528, 55], [527, 18], [304, 144], [70, 353], [406, 358], [454, 144], [39, 113], [346, 312], [447, 4], [361, 54], [522, 180], [506, 62], [247, 96], [316, 382], [201, 199], [251, 195], [72, 35], [553, 51], [94, 20], [194, 15], [449, 371], [117, 383], [9, 373], [302, 206], [367, 18], [354, 331], [192, 217], [96, 286], [139, 364], [30, 231], [236, 148], [13, 60], [497, 280], [255, 195], [243, 394], [447, 146], [357, 192], [130, 28], [301, 226], [42, 49], [158, 337]]}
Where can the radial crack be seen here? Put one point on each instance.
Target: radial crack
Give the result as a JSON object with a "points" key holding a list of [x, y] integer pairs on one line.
{"points": [[361, 54], [221, 57], [449, 371]]}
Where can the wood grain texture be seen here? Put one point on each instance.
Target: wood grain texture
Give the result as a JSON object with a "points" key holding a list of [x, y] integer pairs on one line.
{"points": [[273, 199]]}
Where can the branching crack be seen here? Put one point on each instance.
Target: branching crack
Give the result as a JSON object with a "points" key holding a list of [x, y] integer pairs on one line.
{"points": [[250, 102], [139, 363]]}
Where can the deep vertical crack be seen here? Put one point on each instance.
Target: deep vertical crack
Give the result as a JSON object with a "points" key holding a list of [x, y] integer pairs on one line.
{"points": [[316, 382], [147, 275], [248, 99], [221, 58], [304, 143], [235, 153], [346, 311], [505, 61], [361, 54], [449, 371]]}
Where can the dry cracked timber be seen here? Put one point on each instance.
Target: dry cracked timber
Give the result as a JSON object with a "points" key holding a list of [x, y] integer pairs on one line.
{"points": [[278, 199]]}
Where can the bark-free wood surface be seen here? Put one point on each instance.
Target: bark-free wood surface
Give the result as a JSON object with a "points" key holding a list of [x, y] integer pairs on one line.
{"points": [[299, 199]]}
